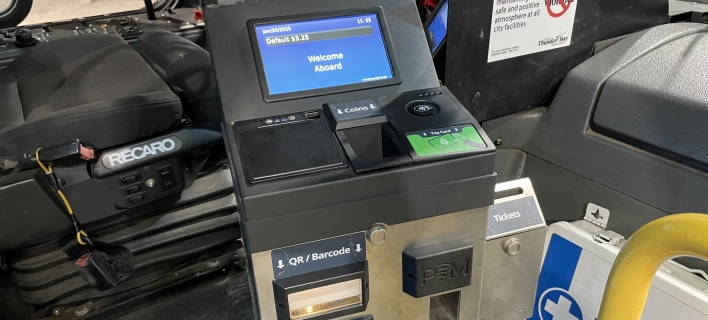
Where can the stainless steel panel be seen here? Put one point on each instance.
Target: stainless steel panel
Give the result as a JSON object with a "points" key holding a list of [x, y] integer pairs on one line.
{"points": [[509, 283], [506, 291], [387, 299]]}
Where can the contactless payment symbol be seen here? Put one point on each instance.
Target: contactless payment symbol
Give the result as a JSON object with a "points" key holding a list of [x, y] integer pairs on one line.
{"points": [[423, 108], [443, 141], [558, 304]]}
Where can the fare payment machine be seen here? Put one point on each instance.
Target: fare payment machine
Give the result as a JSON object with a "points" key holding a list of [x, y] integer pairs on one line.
{"points": [[364, 187]]}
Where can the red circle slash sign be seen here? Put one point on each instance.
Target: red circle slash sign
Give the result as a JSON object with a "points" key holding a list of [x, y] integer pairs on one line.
{"points": [[563, 5]]}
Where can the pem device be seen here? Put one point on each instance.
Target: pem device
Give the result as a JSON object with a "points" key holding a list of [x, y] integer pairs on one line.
{"points": [[363, 186]]}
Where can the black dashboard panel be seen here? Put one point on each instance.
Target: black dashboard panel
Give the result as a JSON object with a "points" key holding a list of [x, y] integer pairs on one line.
{"points": [[623, 119]]}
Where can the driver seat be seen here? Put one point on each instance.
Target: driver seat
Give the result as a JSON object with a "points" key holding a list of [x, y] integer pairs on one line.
{"points": [[90, 87]]}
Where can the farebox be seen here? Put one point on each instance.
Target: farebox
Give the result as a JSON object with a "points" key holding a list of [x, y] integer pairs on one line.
{"points": [[343, 148]]}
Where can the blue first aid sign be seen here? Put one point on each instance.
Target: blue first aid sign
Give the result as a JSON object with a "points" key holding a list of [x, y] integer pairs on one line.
{"points": [[574, 273], [554, 299], [558, 304]]}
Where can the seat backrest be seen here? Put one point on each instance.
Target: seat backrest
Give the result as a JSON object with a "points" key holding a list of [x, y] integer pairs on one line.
{"points": [[187, 68], [92, 87]]}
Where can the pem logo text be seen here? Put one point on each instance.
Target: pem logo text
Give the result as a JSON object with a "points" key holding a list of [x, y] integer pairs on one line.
{"points": [[445, 271]]}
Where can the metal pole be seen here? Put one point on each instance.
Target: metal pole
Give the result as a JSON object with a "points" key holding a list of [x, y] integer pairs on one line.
{"points": [[648, 248], [150, 10]]}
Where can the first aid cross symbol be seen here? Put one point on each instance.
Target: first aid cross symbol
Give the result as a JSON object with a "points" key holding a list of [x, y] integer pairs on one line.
{"points": [[560, 310]]}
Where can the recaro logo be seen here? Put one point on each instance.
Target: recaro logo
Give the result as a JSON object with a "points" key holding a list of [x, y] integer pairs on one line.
{"points": [[445, 271], [139, 152]]}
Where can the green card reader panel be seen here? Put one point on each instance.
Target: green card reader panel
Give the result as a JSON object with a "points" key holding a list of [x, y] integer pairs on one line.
{"points": [[446, 141]]}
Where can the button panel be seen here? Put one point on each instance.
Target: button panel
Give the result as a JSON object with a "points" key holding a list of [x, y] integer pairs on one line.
{"points": [[146, 183]]}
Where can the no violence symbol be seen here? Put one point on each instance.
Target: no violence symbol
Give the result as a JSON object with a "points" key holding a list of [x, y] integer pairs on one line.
{"points": [[563, 5]]}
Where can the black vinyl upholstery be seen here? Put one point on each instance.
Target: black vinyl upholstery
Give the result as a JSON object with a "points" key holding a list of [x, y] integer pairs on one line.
{"points": [[187, 68], [90, 87]]}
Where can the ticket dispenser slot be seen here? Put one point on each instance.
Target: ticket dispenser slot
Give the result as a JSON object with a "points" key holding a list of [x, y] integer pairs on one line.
{"points": [[516, 234]]}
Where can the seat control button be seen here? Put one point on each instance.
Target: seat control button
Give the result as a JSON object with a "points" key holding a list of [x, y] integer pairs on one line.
{"points": [[132, 189], [136, 199], [167, 177], [133, 178]]}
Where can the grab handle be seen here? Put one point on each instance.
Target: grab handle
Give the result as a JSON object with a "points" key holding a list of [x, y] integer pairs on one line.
{"points": [[636, 264]]}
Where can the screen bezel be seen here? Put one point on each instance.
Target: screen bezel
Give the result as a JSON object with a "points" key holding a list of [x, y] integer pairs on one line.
{"points": [[430, 19], [255, 47]]}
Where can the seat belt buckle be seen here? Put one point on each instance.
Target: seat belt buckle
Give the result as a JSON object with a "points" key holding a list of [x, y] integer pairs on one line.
{"points": [[68, 153], [98, 272], [102, 265]]}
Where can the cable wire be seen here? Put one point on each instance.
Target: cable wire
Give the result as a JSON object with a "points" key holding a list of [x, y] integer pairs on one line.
{"points": [[80, 234]]}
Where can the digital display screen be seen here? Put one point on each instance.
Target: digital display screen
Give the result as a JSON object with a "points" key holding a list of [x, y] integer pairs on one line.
{"points": [[322, 53], [437, 29]]}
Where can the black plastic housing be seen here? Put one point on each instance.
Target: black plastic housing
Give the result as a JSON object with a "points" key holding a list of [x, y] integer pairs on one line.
{"points": [[437, 268], [97, 271], [67, 153], [322, 204]]}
